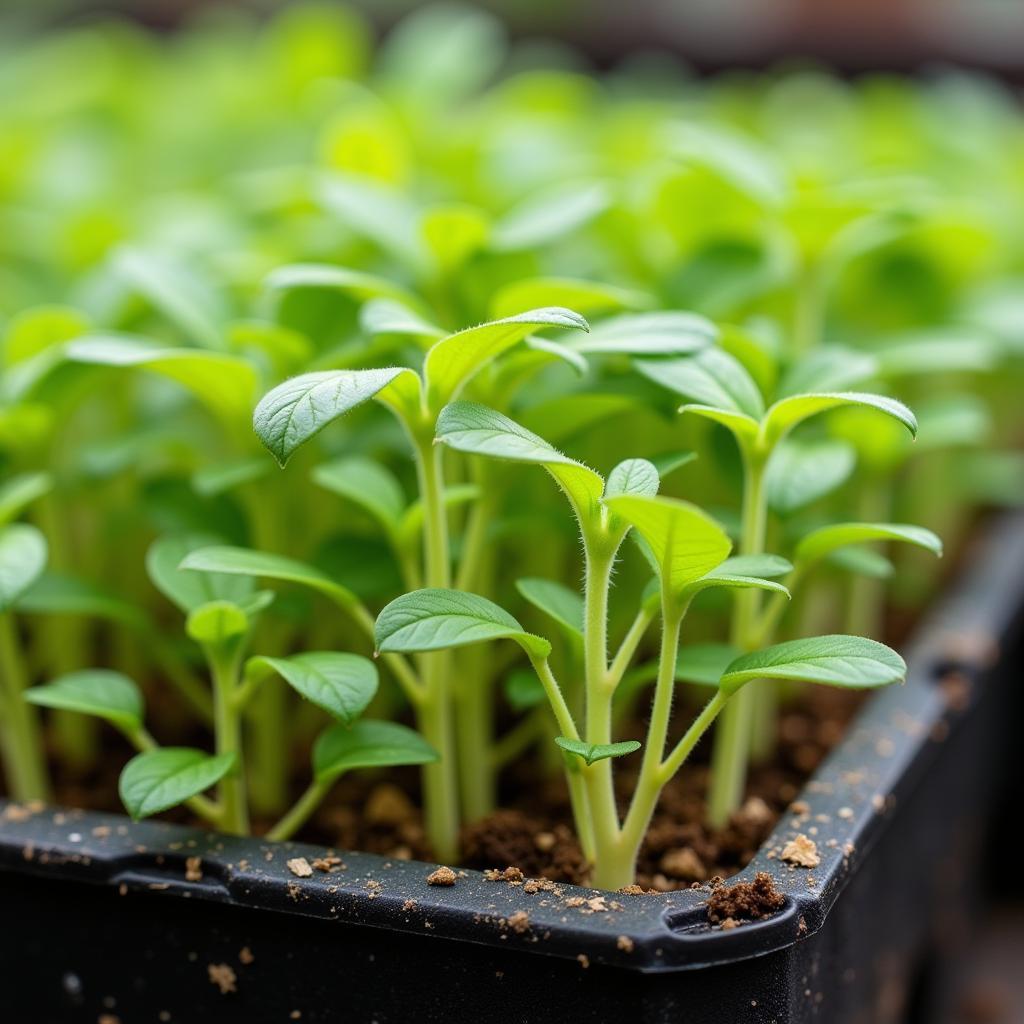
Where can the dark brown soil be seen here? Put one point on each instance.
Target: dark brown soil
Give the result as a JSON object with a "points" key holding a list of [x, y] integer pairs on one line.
{"points": [[745, 901]]}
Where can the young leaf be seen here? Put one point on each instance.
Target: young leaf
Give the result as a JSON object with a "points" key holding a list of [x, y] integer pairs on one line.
{"points": [[766, 566], [452, 361], [342, 684], [224, 560], [850, 661], [216, 622], [23, 555], [360, 286], [822, 542], [153, 781], [828, 368], [226, 384], [703, 664], [189, 590], [666, 464], [633, 476], [226, 476], [785, 414], [711, 378], [108, 695], [664, 333], [468, 427], [563, 605], [431, 620], [365, 483], [591, 752], [293, 412], [686, 542], [862, 562], [20, 491], [367, 744], [585, 296], [800, 472], [57, 594], [386, 316], [545, 216]]}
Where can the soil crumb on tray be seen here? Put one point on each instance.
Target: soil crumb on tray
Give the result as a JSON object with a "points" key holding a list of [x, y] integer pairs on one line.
{"points": [[745, 901]]}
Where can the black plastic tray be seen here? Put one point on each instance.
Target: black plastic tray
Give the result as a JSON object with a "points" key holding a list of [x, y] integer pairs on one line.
{"points": [[99, 916]]}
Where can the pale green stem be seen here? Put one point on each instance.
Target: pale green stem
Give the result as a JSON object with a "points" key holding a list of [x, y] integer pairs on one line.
{"points": [[227, 723], [22, 746], [731, 753], [631, 641], [865, 609], [300, 811]]}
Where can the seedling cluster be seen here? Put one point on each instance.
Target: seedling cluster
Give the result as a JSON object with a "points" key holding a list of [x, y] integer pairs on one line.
{"points": [[715, 314]]}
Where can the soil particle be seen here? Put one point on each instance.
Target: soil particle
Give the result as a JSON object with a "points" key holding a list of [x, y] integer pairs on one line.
{"points": [[108, 1018], [684, 864], [519, 922], [193, 869], [442, 876], [329, 864], [245, 956], [584, 960], [744, 901], [510, 874], [801, 851], [300, 867], [625, 943], [513, 837], [224, 977]]}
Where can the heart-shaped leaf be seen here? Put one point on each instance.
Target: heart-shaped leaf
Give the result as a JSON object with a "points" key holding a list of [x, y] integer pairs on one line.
{"points": [[342, 684], [434, 619], [565, 606], [23, 554], [153, 781], [226, 384], [686, 542], [849, 661], [224, 560], [293, 412], [800, 472], [367, 744], [822, 542], [108, 695], [367, 484], [591, 752], [473, 428], [454, 360], [785, 414]]}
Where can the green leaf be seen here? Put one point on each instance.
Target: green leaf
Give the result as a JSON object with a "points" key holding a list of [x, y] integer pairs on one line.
{"points": [[20, 491], [23, 554], [410, 528], [666, 464], [367, 744], [454, 360], [703, 664], [453, 233], [937, 353], [862, 562], [720, 578], [563, 605], [591, 752], [785, 414], [523, 690], [472, 428], [663, 333], [293, 412], [367, 484], [434, 619], [686, 541], [800, 472], [548, 215], [388, 316], [362, 287], [633, 476], [766, 566], [822, 542], [226, 384], [849, 661], [158, 779], [216, 622], [342, 684], [954, 420], [226, 476], [59, 594], [39, 329], [828, 368], [189, 590], [710, 378], [225, 560], [585, 296], [108, 695]]}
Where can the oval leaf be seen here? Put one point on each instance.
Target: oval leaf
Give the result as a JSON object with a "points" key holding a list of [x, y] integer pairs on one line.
{"points": [[434, 619], [800, 472], [711, 378], [633, 476], [23, 553], [342, 684], [158, 779], [850, 661], [591, 752], [216, 622], [189, 590], [821, 543], [108, 695], [367, 484], [785, 414], [368, 744]]}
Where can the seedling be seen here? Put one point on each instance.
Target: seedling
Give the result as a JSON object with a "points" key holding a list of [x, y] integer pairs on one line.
{"points": [[690, 553]]}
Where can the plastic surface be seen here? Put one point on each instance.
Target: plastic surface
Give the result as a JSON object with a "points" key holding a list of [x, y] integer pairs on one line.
{"points": [[102, 916]]}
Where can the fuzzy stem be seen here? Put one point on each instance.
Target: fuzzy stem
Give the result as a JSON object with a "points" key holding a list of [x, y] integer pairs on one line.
{"points": [[22, 748]]}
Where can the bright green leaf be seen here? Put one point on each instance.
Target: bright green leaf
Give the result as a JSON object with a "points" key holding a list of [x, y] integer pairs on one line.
{"points": [[153, 781], [800, 472], [20, 491], [216, 623], [23, 554], [108, 695], [785, 414], [591, 752], [367, 744], [367, 484], [822, 542], [340, 683], [563, 605], [633, 476], [189, 590]]}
